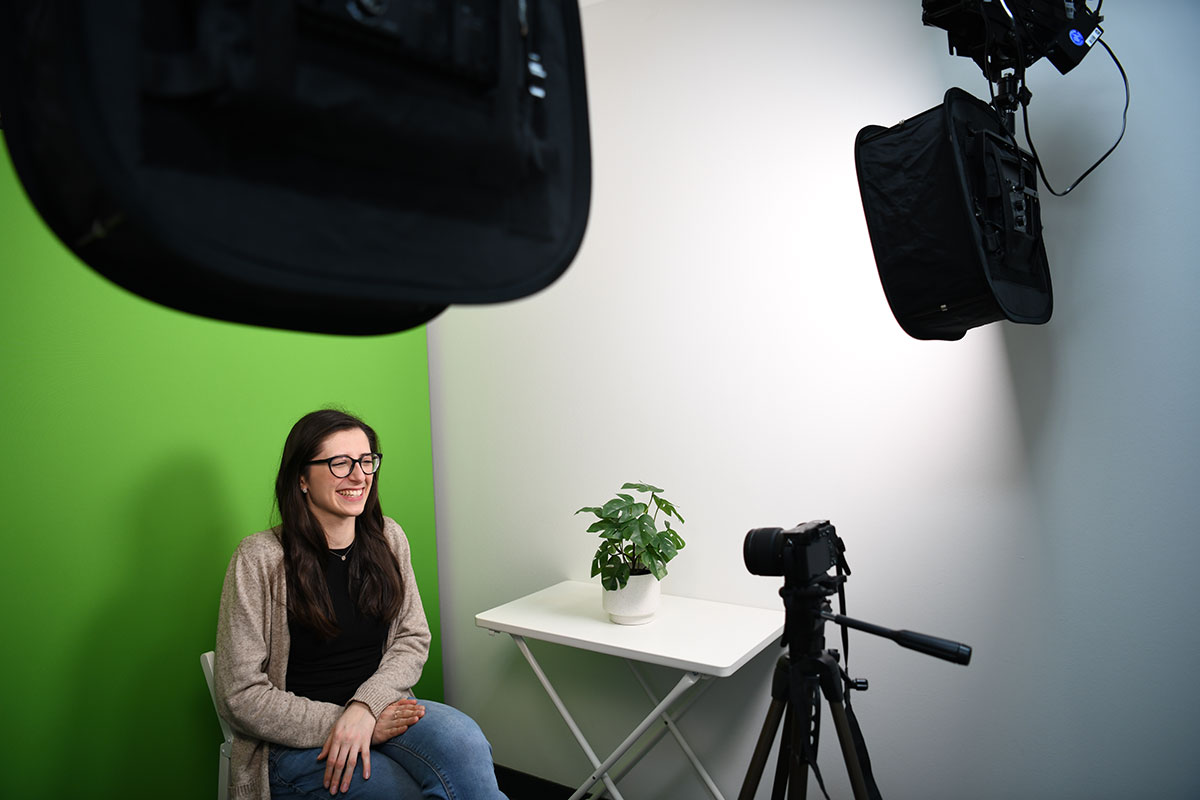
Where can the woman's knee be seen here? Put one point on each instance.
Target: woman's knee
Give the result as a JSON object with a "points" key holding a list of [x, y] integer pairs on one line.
{"points": [[453, 728], [448, 755]]}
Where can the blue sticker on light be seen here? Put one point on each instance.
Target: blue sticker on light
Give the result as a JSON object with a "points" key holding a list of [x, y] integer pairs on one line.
{"points": [[1077, 38]]}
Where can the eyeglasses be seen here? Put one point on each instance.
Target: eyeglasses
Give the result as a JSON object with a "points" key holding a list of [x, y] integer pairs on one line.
{"points": [[342, 466]]}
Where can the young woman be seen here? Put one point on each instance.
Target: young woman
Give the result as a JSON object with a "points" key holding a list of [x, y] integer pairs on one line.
{"points": [[321, 635]]}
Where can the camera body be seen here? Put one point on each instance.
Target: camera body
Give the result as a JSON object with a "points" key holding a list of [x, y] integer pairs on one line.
{"points": [[800, 554]]}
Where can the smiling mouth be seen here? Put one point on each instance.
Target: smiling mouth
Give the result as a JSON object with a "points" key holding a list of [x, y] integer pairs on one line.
{"points": [[350, 492]]}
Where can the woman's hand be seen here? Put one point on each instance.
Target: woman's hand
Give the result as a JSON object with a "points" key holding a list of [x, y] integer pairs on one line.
{"points": [[396, 719], [350, 738]]}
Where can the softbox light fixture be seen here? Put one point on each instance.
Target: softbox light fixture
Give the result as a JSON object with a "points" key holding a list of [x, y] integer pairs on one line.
{"points": [[950, 198], [331, 166], [954, 218]]}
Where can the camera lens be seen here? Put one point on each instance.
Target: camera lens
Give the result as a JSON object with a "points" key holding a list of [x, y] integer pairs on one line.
{"points": [[762, 551]]}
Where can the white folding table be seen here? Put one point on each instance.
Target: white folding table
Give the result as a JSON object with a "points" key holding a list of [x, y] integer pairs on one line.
{"points": [[702, 638]]}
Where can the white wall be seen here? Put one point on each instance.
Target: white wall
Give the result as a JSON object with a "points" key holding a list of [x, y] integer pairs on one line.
{"points": [[1031, 491]]}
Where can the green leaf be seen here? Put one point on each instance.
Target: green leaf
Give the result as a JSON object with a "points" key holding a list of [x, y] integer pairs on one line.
{"points": [[601, 525], [643, 487], [617, 508], [668, 508], [667, 548], [613, 507], [599, 512], [644, 531], [630, 529]]}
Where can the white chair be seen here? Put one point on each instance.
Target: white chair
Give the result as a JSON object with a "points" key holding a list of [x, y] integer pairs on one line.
{"points": [[206, 663]]}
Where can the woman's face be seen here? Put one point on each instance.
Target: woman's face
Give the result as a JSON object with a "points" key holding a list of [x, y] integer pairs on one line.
{"points": [[335, 500]]}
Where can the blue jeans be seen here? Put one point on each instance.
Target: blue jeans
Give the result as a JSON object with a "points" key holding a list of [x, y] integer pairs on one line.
{"points": [[444, 756]]}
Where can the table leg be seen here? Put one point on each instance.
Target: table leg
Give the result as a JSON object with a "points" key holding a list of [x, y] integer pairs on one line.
{"points": [[650, 743], [686, 682], [566, 715], [683, 745]]}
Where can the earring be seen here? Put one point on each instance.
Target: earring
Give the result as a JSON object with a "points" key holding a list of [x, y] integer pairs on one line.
{"points": [[304, 489]]}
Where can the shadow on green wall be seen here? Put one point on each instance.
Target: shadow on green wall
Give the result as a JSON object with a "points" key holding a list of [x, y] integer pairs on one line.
{"points": [[136, 669]]}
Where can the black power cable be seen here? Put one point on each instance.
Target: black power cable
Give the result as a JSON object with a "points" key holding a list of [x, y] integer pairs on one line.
{"points": [[1124, 122], [1024, 96]]}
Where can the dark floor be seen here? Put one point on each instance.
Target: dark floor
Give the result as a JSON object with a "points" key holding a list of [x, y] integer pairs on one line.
{"points": [[519, 786]]}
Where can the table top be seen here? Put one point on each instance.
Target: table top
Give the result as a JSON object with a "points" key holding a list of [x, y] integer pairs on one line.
{"points": [[694, 635]]}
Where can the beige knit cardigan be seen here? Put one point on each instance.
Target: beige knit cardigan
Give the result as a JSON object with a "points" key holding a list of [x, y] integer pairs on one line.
{"points": [[252, 655]]}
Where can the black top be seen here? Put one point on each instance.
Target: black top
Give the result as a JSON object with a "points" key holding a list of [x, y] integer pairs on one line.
{"points": [[332, 670]]}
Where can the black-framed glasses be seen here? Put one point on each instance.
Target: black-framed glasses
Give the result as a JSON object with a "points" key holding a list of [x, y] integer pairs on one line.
{"points": [[342, 466]]}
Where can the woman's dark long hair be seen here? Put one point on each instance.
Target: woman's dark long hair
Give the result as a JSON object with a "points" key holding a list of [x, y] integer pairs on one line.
{"points": [[374, 572]]}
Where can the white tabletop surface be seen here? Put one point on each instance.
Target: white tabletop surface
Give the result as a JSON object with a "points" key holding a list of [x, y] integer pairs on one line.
{"points": [[694, 635]]}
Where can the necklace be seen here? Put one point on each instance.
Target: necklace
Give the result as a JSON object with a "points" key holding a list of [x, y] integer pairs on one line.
{"points": [[342, 555]]}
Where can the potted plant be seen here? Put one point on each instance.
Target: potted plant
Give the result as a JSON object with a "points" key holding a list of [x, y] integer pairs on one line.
{"points": [[633, 552]]}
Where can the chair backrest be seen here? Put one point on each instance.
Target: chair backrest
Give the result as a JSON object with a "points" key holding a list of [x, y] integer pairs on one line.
{"points": [[206, 664]]}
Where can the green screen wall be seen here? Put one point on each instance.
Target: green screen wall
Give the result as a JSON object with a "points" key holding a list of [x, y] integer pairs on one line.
{"points": [[139, 445]]}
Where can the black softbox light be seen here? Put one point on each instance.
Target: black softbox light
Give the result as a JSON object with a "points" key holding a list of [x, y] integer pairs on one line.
{"points": [[317, 165], [952, 209]]}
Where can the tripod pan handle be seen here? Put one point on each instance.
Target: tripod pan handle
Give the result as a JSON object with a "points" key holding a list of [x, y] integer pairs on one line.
{"points": [[957, 652]]}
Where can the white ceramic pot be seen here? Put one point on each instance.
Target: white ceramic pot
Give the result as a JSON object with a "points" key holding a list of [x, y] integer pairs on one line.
{"points": [[637, 603]]}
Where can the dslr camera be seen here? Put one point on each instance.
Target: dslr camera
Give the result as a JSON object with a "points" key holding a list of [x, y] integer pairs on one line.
{"points": [[801, 554]]}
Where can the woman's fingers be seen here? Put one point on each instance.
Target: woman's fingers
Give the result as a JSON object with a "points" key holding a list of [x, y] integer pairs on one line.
{"points": [[340, 768], [351, 737], [396, 719], [366, 759], [406, 717]]}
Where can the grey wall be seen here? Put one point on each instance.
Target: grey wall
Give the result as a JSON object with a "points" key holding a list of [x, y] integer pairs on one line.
{"points": [[1029, 490]]}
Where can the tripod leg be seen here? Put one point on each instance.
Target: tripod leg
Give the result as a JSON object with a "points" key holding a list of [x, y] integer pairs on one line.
{"points": [[825, 665], [780, 691], [762, 750], [797, 706], [804, 720], [849, 752], [779, 703]]}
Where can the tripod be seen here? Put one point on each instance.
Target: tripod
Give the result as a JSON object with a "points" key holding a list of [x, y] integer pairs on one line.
{"points": [[801, 676], [806, 672]]}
